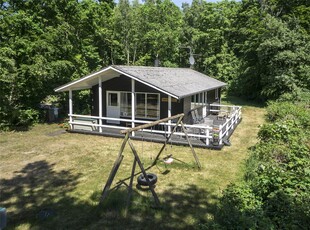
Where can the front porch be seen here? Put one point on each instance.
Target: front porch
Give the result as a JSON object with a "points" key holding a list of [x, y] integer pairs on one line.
{"points": [[208, 126]]}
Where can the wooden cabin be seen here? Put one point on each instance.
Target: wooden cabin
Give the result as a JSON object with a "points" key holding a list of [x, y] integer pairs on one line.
{"points": [[126, 96]]}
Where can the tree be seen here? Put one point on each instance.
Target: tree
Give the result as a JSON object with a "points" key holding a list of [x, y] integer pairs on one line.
{"points": [[207, 30], [50, 43]]}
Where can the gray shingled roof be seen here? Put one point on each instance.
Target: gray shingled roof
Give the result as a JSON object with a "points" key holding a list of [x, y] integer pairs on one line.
{"points": [[178, 82]]}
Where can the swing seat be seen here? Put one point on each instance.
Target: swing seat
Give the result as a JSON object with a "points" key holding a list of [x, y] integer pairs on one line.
{"points": [[151, 176], [168, 161]]}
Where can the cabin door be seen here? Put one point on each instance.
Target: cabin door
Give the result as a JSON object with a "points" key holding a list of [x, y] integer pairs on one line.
{"points": [[113, 106]]}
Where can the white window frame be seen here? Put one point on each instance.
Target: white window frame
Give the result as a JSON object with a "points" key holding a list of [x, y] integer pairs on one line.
{"points": [[125, 114], [145, 107]]}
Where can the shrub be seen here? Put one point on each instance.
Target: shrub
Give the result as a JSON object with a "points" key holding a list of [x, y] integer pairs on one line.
{"points": [[24, 117], [240, 208], [275, 190]]}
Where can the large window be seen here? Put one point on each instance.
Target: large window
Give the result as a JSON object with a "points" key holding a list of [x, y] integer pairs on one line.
{"points": [[152, 105], [147, 105], [125, 104]]}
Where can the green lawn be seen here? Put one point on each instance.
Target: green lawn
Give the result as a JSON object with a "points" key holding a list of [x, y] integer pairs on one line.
{"points": [[53, 180]]}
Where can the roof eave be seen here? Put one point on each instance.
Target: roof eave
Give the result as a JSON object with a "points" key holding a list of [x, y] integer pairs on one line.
{"points": [[191, 94], [66, 87]]}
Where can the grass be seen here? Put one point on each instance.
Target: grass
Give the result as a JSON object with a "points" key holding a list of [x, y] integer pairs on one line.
{"points": [[53, 180]]}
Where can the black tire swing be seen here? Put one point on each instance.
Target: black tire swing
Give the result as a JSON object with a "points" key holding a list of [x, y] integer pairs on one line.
{"points": [[143, 182]]}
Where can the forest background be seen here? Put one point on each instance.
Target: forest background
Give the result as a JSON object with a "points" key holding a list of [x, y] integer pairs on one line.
{"points": [[259, 47]]}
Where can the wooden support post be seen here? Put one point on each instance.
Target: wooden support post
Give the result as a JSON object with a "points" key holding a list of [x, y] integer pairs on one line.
{"points": [[204, 107], [130, 183], [144, 173], [70, 109], [169, 114], [133, 105], [190, 145], [100, 103], [113, 172]]}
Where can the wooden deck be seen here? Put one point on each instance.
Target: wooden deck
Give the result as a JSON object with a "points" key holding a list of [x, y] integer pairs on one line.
{"points": [[160, 138]]}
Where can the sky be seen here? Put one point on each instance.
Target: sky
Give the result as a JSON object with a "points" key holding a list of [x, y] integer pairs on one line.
{"points": [[179, 2]]}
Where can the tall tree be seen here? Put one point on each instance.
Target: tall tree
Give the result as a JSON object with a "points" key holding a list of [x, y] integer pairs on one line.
{"points": [[207, 29]]}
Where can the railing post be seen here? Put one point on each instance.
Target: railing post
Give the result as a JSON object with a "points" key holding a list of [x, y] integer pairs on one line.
{"points": [[227, 128], [232, 120], [70, 109], [100, 103], [133, 105], [169, 114], [207, 137], [220, 135]]}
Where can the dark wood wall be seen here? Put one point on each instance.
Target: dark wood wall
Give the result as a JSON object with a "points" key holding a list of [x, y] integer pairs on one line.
{"points": [[123, 83]]}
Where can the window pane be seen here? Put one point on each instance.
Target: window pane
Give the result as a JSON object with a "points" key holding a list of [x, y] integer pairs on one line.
{"points": [[112, 99], [125, 104], [152, 106], [140, 110]]}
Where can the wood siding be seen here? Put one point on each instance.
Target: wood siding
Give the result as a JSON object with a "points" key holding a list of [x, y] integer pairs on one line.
{"points": [[123, 83]]}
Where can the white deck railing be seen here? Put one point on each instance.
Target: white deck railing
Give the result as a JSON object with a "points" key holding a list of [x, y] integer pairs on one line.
{"points": [[208, 133]]}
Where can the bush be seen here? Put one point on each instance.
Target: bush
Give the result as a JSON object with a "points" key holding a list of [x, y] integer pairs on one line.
{"points": [[240, 208], [275, 190], [299, 112], [24, 117]]}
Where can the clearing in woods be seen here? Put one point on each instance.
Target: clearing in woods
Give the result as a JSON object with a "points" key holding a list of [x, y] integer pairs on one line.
{"points": [[53, 180]]}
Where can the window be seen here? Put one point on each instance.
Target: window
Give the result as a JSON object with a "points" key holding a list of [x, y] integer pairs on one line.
{"points": [[147, 105], [197, 100], [112, 99], [140, 105], [125, 104], [152, 106]]}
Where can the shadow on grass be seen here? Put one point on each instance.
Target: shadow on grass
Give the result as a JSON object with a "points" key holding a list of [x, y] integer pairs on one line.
{"points": [[181, 208], [34, 194], [39, 197]]}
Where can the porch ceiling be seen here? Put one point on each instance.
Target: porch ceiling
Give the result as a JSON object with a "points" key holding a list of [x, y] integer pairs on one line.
{"points": [[89, 80]]}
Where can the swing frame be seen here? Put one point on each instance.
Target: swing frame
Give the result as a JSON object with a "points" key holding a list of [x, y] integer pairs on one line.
{"points": [[137, 160]]}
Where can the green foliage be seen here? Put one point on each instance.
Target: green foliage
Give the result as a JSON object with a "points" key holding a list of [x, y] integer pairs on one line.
{"points": [[240, 208], [25, 117], [259, 48], [277, 173], [274, 52], [18, 118], [50, 43], [206, 30]]}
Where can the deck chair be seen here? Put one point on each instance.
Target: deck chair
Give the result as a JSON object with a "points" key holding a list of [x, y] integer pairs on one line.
{"points": [[198, 117], [194, 118]]}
